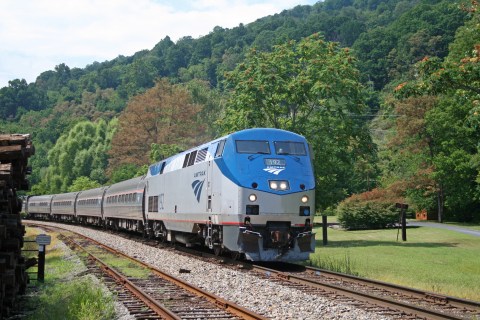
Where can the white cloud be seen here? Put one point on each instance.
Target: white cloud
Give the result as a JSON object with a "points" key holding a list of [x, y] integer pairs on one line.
{"points": [[36, 35]]}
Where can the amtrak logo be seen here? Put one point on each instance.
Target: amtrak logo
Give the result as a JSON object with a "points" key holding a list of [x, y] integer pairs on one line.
{"points": [[274, 170], [197, 188]]}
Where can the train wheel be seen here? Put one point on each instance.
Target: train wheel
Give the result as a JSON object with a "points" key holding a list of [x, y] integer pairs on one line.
{"points": [[161, 232], [235, 255], [217, 250]]}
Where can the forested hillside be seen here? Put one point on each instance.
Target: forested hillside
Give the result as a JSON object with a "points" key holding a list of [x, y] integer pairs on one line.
{"points": [[385, 91]]}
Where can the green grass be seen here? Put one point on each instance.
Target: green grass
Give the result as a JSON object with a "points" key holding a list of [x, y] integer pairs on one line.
{"points": [[437, 260], [78, 299], [64, 296], [125, 266], [471, 226]]}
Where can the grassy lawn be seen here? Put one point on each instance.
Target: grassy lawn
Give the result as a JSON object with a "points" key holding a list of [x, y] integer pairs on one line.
{"points": [[431, 259], [470, 226]]}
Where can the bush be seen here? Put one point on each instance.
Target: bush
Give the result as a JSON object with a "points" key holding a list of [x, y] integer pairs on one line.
{"points": [[367, 215]]}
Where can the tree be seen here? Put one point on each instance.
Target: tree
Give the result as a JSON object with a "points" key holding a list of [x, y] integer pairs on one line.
{"points": [[123, 172], [79, 153], [411, 154], [164, 114], [83, 183], [453, 121], [20, 96], [159, 152], [311, 87]]}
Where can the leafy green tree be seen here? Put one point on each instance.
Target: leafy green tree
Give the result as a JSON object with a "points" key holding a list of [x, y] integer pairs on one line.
{"points": [[453, 123], [20, 96], [162, 151], [311, 87], [83, 183], [79, 153], [124, 172]]}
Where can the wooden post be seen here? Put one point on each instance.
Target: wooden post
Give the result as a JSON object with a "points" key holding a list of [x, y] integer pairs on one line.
{"points": [[403, 212], [43, 240], [324, 229], [41, 263]]}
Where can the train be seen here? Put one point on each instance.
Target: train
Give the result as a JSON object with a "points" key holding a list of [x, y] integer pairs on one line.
{"points": [[250, 194]]}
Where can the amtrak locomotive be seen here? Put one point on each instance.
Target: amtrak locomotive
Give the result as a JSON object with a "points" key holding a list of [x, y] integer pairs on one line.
{"points": [[250, 193]]}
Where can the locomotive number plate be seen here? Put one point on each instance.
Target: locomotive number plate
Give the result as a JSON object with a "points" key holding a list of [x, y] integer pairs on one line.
{"points": [[275, 162]]}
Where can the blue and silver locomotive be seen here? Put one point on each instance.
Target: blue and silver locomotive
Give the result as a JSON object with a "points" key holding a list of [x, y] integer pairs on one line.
{"points": [[250, 193]]}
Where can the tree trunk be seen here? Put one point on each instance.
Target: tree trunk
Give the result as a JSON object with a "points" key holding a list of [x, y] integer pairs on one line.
{"points": [[440, 203]]}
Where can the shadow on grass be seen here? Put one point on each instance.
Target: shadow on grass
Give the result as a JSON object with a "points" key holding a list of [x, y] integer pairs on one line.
{"points": [[393, 243]]}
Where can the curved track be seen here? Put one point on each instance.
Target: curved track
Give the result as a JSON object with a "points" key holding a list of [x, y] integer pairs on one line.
{"points": [[374, 296], [160, 296]]}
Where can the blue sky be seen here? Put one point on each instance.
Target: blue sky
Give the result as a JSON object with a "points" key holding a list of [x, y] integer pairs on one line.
{"points": [[37, 35]]}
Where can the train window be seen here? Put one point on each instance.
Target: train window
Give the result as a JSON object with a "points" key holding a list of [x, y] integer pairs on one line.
{"points": [[253, 146], [153, 204], [220, 147], [289, 147], [201, 155], [185, 162], [163, 167], [191, 160]]}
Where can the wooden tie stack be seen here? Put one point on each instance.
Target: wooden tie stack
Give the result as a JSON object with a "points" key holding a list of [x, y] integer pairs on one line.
{"points": [[15, 149]]}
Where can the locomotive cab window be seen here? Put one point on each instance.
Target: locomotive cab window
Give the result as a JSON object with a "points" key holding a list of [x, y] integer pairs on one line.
{"points": [[252, 146], [290, 148], [220, 147]]}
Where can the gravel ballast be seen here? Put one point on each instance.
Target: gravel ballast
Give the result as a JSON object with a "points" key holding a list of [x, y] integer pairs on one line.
{"points": [[262, 296]]}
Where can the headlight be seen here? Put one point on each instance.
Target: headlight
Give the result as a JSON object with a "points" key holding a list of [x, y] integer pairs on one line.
{"points": [[279, 185], [252, 197], [305, 199]]}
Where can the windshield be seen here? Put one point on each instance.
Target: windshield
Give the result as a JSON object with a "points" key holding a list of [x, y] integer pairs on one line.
{"points": [[288, 147], [252, 146]]}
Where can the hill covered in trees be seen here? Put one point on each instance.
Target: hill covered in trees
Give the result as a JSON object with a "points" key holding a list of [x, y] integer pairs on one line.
{"points": [[381, 99]]}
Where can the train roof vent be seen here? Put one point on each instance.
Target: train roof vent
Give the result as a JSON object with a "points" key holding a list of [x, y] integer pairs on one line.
{"points": [[201, 155]]}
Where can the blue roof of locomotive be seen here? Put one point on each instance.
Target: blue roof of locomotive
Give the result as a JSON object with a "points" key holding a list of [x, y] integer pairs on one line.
{"points": [[243, 169]]}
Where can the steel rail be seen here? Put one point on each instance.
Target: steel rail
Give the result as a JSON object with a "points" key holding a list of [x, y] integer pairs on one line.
{"points": [[445, 299], [136, 291], [406, 308], [388, 303], [222, 303]]}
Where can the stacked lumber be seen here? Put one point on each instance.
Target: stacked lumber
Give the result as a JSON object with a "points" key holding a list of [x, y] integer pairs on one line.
{"points": [[15, 149]]}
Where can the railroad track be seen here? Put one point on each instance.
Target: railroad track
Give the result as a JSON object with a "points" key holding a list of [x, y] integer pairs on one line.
{"points": [[383, 298], [374, 296], [157, 296]]}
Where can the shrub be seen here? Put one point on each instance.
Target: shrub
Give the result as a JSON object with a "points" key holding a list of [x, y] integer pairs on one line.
{"points": [[367, 215]]}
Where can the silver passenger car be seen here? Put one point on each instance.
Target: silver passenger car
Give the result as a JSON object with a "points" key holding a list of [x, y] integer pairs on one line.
{"points": [[39, 206], [123, 204], [63, 206], [89, 205]]}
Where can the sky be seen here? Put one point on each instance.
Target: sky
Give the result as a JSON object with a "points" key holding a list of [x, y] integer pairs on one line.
{"points": [[37, 35]]}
